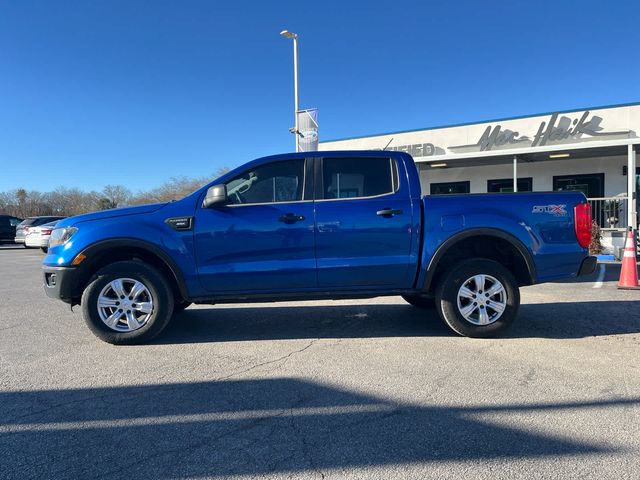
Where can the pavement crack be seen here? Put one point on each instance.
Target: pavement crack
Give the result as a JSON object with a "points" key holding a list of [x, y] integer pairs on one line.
{"points": [[282, 359]]}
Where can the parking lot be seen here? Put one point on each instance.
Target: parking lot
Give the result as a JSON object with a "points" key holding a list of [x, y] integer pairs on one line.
{"points": [[348, 389]]}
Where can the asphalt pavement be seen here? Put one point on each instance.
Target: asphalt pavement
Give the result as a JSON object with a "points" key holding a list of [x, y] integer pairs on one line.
{"points": [[346, 389]]}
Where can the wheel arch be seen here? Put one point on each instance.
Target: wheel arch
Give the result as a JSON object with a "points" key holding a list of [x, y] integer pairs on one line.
{"points": [[515, 255], [105, 252]]}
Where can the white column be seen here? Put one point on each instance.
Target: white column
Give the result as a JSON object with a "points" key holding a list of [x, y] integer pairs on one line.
{"points": [[515, 173], [631, 188], [295, 90]]}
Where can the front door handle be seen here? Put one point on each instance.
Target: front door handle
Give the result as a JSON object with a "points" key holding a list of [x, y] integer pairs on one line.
{"points": [[388, 212], [290, 218]]}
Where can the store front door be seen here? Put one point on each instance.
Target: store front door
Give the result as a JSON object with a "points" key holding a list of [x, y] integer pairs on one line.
{"points": [[606, 214], [591, 184]]}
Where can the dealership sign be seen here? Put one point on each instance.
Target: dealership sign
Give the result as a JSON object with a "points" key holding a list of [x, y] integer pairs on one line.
{"points": [[556, 130], [418, 149], [308, 130]]}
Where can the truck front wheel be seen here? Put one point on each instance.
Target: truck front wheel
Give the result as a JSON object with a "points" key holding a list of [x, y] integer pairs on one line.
{"points": [[478, 298], [127, 303]]}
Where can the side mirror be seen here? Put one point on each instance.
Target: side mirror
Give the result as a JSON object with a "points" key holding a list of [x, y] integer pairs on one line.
{"points": [[216, 195]]}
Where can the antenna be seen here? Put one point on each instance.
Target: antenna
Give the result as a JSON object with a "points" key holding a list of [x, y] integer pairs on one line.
{"points": [[385, 147]]}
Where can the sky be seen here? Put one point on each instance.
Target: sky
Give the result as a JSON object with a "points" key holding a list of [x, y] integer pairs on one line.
{"points": [[134, 92]]}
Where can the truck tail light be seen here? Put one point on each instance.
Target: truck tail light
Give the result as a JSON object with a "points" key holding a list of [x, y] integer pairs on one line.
{"points": [[582, 220]]}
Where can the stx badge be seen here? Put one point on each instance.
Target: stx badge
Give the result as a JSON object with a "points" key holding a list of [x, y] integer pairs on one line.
{"points": [[558, 210]]}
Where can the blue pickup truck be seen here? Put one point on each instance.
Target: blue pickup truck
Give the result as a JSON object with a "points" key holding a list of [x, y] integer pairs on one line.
{"points": [[321, 225]]}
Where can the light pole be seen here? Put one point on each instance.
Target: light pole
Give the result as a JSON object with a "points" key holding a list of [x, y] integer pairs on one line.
{"points": [[294, 37]]}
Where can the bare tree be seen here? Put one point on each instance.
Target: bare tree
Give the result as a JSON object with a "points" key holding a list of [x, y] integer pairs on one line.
{"points": [[73, 201], [117, 195], [221, 171]]}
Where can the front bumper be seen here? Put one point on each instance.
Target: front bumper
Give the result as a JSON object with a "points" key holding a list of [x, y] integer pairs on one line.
{"points": [[588, 266], [60, 282]]}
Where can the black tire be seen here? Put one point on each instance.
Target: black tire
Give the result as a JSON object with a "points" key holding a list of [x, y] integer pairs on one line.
{"points": [[447, 298], [420, 301], [160, 292], [180, 305], [44, 249]]}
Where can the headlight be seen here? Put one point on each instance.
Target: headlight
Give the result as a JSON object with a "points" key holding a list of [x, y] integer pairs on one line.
{"points": [[60, 236]]}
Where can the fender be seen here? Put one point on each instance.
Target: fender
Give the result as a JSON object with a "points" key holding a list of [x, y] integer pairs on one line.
{"points": [[123, 242], [472, 232]]}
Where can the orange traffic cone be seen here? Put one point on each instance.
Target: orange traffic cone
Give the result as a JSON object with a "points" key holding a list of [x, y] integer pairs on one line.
{"points": [[629, 272]]}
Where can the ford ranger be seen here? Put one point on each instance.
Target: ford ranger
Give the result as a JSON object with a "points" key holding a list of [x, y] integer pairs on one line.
{"points": [[319, 225]]}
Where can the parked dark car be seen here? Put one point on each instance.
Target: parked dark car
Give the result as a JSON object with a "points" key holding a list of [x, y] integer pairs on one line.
{"points": [[23, 227], [8, 226]]}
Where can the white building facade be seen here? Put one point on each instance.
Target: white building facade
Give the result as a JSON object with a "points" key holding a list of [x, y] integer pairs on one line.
{"points": [[590, 150]]}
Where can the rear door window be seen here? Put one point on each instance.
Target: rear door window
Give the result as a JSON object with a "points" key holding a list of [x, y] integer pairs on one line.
{"points": [[358, 177]]}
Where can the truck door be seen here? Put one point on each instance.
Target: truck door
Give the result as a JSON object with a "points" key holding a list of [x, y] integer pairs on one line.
{"points": [[263, 238], [363, 223]]}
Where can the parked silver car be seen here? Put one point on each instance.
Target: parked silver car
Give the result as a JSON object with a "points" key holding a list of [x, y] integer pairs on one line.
{"points": [[38, 237], [23, 227]]}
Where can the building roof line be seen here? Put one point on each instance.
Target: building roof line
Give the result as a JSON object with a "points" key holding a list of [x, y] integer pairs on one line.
{"points": [[464, 124]]}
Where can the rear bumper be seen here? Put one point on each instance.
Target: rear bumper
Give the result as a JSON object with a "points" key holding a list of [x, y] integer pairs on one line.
{"points": [[36, 242], [19, 239], [588, 266], [60, 282]]}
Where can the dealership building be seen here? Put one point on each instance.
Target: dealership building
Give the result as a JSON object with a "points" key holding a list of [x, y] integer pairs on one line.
{"points": [[589, 150]]}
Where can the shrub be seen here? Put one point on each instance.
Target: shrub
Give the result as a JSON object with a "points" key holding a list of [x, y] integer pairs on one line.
{"points": [[595, 247]]}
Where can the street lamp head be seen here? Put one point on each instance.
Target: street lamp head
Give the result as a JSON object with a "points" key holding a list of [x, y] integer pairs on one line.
{"points": [[288, 34]]}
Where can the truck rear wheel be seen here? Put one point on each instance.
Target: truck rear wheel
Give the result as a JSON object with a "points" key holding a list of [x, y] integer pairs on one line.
{"points": [[478, 298], [127, 303]]}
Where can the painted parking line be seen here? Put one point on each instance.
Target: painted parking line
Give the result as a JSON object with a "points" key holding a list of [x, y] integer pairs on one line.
{"points": [[599, 280]]}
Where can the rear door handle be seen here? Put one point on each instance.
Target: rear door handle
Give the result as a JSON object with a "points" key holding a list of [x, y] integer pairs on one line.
{"points": [[388, 212], [290, 218]]}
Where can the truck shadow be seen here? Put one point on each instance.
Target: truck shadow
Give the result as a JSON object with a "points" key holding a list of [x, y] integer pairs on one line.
{"points": [[271, 322], [611, 273], [255, 427]]}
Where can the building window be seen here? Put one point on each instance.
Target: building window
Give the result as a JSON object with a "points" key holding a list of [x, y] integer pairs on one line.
{"points": [[447, 188], [592, 184], [505, 185]]}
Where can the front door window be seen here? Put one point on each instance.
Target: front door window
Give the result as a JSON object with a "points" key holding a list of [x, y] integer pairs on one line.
{"points": [[272, 183]]}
